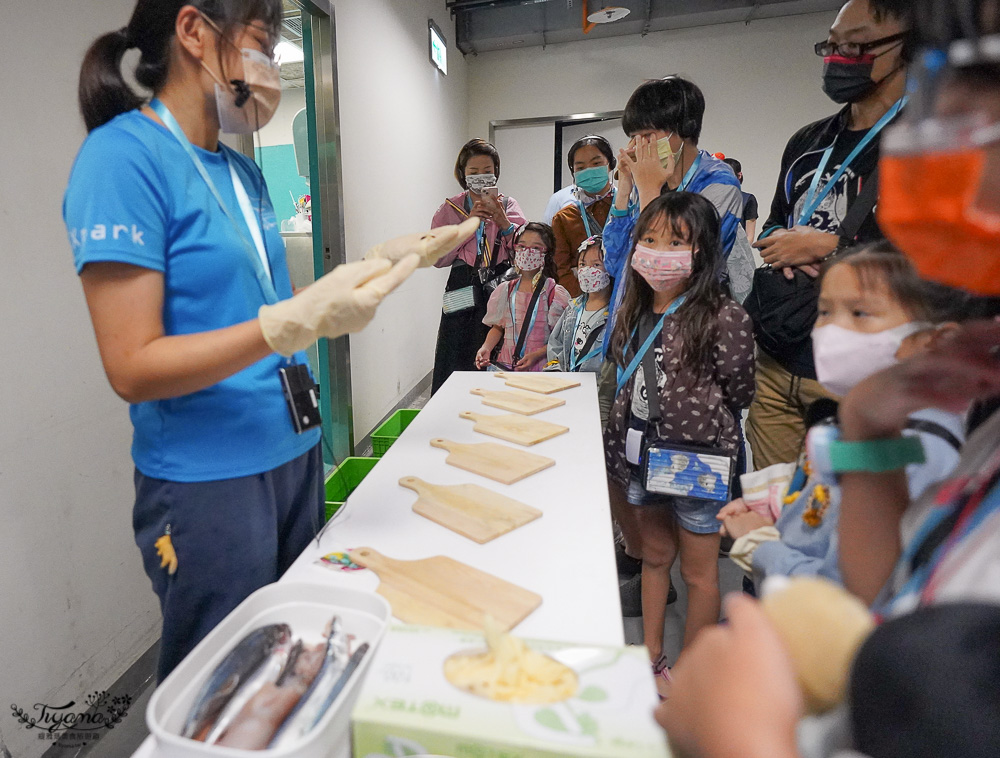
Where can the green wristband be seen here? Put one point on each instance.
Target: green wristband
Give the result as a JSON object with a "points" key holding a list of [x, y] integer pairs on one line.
{"points": [[876, 456]]}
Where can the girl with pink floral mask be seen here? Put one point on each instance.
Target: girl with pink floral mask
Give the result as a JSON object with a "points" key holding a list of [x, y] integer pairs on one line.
{"points": [[702, 342], [576, 343], [521, 313]]}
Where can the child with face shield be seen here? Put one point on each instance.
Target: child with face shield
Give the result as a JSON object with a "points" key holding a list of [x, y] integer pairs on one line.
{"points": [[873, 312], [727, 701], [575, 343], [523, 312]]}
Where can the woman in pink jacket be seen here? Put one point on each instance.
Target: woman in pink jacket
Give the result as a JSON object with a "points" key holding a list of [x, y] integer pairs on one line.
{"points": [[478, 266]]}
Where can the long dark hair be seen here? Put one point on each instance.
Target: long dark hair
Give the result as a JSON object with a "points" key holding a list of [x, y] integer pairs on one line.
{"points": [[103, 91], [695, 219], [549, 270]]}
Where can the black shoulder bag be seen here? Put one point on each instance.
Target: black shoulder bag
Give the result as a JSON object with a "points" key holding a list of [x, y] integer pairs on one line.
{"points": [[519, 347], [784, 310], [697, 471]]}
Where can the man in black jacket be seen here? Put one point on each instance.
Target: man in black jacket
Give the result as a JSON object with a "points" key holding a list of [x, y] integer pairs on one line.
{"points": [[864, 68]]}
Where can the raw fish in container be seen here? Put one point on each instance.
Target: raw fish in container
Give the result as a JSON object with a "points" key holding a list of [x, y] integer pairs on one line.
{"points": [[235, 670], [256, 724]]}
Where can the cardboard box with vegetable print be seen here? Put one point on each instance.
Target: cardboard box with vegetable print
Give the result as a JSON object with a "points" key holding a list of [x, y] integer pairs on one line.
{"points": [[408, 706]]}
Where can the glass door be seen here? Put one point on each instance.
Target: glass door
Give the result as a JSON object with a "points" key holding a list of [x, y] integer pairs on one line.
{"points": [[299, 154]]}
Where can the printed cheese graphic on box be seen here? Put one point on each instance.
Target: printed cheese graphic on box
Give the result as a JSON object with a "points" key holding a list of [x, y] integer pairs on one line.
{"points": [[510, 672]]}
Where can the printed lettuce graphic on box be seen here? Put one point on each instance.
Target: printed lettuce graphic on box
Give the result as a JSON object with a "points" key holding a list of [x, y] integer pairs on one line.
{"points": [[572, 722]]}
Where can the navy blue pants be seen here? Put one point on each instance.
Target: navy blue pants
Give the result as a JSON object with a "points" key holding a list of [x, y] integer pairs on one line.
{"points": [[231, 536]]}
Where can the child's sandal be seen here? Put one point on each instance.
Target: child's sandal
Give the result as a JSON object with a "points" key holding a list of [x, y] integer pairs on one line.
{"points": [[661, 676]]}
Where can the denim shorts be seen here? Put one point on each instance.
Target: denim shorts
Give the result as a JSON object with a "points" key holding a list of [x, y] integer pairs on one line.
{"points": [[694, 515]]}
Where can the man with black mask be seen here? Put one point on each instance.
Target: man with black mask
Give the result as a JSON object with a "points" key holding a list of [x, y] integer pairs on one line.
{"points": [[821, 206]]}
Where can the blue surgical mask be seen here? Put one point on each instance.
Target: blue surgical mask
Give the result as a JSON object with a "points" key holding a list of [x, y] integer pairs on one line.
{"points": [[592, 180]]}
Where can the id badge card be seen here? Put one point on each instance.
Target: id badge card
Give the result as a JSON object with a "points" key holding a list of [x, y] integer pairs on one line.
{"points": [[301, 396], [633, 446]]}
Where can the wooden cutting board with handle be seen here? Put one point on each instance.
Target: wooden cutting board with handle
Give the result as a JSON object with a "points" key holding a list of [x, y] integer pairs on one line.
{"points": [[536, 381], [440, 591], [525, 403], [497, 462], [514, 427], [472, 511]]}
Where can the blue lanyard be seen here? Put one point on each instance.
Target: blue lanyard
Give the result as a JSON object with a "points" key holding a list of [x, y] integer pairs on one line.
{"points": [[690, 174], [575, 362], [583, 215], [480, 233], [815, 197], [624, 376], [263, 278], [917, 583], [531, 327]]}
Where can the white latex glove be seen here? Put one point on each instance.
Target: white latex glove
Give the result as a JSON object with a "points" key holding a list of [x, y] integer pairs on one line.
{"points": [[338, 303], [430, 246]]}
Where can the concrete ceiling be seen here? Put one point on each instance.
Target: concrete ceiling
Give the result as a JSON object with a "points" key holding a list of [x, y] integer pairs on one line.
{"points": [[486, 25], [292, 74]]}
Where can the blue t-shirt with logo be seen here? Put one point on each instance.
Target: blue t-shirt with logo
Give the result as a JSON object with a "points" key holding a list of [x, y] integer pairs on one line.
{"points": [[136, 197]]}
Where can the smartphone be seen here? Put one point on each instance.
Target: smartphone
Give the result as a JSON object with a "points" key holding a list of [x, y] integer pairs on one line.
{"points": [[494, 191]]}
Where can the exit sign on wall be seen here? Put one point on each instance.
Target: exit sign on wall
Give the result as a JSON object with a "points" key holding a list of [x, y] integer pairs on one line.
{"points": [[438, 47]]}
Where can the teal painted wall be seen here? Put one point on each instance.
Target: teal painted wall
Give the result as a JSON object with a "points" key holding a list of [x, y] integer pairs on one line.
{"points": [[282, 177]]}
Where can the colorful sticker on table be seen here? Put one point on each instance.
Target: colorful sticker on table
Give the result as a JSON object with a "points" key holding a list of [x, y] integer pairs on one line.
{"points": [[339, 562]]}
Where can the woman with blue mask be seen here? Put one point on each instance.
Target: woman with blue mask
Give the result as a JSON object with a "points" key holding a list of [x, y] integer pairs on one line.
{"points": [[175, 241], [591, 160]]}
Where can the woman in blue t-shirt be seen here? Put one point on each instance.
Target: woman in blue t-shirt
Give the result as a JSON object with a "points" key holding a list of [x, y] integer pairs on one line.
{"points": [[176, 244]]}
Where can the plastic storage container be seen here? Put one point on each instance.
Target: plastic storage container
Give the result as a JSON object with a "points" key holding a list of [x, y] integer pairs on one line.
{"points": [[389, 431], [344, 479], [306, 608]]}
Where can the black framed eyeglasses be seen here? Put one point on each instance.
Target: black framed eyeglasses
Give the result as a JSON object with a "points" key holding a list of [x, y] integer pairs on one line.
{"points": [[854, 49]]}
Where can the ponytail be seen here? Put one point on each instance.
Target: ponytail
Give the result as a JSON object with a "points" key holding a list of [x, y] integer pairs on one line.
{"points": [[104, 93]]}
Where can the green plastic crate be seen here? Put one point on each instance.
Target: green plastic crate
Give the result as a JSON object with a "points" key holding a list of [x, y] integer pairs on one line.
{"points": [[344, 479], [389, 431]]}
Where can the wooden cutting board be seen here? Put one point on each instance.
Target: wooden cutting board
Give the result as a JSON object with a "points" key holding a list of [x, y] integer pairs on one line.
{"points": [[440, 591], [535, 381], [520, 402], [497, 462], [514, 427], [472, 511]]}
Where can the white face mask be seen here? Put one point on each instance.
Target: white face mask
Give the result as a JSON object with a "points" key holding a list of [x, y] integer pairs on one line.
{"points": [[845, 357], [592, 278], [256, 96], [528, 260], [478, 182]]}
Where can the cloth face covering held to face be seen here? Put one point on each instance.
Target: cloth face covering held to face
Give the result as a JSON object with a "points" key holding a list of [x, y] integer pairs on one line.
{"points": [[845, 357], [665, 152], [661, 269]]}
